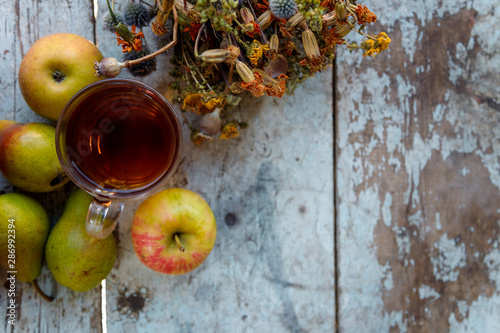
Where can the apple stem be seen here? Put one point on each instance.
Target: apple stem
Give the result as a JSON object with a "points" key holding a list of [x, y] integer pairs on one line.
{"points": [[40, 292], [179, 244]]}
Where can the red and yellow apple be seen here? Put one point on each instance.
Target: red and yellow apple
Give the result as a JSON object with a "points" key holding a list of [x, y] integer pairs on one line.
{"points": [[55, 68], [28, 157], [174, 231]]}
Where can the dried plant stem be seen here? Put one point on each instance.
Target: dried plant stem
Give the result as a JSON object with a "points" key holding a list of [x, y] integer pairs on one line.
{"points": [[198, 40], [129, 63], [40, 292]]}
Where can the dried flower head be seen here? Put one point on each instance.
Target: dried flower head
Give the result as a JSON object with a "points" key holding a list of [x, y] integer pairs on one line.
{"points": [[256, 51], [283, 9], [143, 68], [274, 87], [197, 137], [229, 130], [365, 15], [137, 14], [202, 103], [375, 45], [109, 22], [130, 41]]}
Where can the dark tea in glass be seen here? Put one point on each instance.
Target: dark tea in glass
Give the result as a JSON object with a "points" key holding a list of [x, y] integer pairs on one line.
{"points": [[118, 139]]}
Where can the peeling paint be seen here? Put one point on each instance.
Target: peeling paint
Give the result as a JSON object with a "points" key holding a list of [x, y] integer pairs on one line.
{"points": [[449, 260], [386, 209], [438, 170], [426, 291]]}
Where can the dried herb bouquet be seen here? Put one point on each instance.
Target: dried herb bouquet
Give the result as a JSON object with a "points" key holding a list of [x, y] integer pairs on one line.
{"points": [[224, 48]]}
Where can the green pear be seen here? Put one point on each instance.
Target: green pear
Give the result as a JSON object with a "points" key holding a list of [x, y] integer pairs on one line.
{"points": [[24, 227], [76, 260], [28, 157]]}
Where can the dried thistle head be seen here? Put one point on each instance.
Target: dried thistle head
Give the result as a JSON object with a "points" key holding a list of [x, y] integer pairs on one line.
{"points": [[137, 14], [283, 9]]}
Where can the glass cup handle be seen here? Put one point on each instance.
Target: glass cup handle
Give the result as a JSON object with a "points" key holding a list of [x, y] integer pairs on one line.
{"points": [[102, 217]]}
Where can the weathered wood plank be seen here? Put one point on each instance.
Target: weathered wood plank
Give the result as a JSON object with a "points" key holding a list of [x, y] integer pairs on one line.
{"points": [[271, 189], [21, 24], [418, 161]]}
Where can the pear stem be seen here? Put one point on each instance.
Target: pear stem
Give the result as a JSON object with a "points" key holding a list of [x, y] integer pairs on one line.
{"points": [[40, 292], [179, 244]]}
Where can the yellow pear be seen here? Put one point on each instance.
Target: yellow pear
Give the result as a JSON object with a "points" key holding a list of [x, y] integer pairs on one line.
{"points": [[24, 227], [76, 260]]}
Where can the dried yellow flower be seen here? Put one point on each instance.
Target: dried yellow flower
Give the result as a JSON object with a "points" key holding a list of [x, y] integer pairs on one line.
{"points": [[375, 45], [256, 51], [229, 130]]}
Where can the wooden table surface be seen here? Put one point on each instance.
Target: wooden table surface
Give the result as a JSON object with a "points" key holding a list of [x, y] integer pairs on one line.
{"points": [[369, 201]]}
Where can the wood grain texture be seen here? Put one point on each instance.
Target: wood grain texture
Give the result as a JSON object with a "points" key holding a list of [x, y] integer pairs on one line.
{"points": [[271, 189], [21, 24], [418, 172]]}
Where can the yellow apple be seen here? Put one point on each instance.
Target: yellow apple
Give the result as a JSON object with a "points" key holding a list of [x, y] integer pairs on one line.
{"points": [[55, 68]]}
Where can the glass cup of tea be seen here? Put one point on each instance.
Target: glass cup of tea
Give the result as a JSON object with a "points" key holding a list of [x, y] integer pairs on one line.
{"points": [[119, 140]]}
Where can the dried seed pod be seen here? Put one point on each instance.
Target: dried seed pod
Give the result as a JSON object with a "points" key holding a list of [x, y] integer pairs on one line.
{"points": [[215, 56], [330, 19], [274, 43], [340, 10], [210, 123], [108, 67], [310, 44], [295, 20], [244, 71], [246, 15], [277, 66], [264, 20], [343, 30]]}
